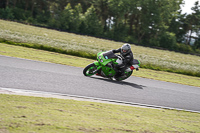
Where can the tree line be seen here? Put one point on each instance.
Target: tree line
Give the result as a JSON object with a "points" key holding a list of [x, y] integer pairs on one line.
{"points": [[157, 23]]}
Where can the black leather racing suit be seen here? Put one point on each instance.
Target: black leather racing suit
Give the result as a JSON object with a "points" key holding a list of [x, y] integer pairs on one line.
{"points": [[127, 60]]}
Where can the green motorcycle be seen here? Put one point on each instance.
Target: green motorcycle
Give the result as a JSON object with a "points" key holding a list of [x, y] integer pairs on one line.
{"points": [[104, 66]]}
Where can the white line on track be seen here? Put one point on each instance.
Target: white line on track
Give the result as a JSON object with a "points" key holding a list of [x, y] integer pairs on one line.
{"points": [[82, 98]]}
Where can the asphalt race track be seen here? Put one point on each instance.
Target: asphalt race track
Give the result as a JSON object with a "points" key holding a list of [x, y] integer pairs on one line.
{"points": [[48, 77]]}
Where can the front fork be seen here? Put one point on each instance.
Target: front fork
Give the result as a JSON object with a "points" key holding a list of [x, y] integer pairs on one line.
{"points": [[98, 66]]}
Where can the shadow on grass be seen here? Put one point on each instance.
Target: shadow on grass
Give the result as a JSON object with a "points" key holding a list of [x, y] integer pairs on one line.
{"points": [[119, 82]]}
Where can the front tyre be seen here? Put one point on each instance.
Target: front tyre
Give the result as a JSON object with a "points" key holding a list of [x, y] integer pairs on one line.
{"points": [[90, 70]]}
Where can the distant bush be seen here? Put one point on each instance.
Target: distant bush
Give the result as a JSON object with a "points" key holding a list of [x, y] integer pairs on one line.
{"points": [[20, 14], [31, 20], [184, 48], [197, 50], [92, 23], [168, 40], [6, 13]]}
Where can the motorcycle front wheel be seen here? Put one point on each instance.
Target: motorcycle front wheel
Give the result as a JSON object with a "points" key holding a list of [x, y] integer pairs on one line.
{"points": [[90, 70]]}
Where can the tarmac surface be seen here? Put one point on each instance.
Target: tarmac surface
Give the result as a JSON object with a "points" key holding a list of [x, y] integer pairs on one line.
{"points": [[28, 77]]}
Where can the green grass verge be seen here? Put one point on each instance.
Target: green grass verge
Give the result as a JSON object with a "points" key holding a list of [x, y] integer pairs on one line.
{"points": [[85, 46], [52, 49], [41, 55], [22, 114]]}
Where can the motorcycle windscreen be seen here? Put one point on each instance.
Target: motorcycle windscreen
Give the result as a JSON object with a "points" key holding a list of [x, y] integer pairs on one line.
{"points": [[109, 55]]}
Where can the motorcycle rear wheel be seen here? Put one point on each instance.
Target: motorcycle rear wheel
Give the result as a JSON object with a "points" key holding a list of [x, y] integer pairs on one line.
{"points": [[89, 70], [123, 78]]}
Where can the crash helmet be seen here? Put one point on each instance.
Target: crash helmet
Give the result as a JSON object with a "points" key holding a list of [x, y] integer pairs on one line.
{"points": [[125, 49]]}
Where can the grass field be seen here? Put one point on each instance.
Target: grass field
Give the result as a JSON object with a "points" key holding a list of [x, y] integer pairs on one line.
{"points": [[89, 46], [22, 114]]}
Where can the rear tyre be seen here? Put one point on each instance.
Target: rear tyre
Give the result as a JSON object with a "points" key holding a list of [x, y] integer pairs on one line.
{"points": [[90, 69], [127, 75]]}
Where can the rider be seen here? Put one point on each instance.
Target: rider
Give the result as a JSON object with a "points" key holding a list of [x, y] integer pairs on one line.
{"points": [[127, 56]]}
